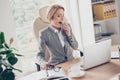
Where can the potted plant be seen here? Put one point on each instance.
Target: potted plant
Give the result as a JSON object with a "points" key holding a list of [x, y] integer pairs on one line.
{"points": [[8, 58]]}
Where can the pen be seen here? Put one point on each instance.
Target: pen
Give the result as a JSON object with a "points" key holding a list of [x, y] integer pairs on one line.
{"points": [[47, 73]]}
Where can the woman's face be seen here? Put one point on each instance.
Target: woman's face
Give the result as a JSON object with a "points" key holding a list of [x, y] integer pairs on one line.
{"points": [[57, 18]]}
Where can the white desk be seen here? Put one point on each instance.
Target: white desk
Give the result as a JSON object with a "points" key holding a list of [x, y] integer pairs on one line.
{"points": [[107, 71], [116, 77], [41, 74]]}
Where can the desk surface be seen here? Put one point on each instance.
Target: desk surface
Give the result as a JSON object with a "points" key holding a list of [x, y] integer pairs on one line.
{"points": [[116, 77], [67, 65], [103, 72]]}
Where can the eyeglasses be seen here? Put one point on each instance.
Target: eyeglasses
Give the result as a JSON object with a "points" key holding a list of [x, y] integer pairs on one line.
{"points": [[56, 69], [52, 67]]}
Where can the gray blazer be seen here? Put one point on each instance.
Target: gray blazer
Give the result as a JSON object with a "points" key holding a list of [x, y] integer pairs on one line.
{"points": [[58, 54]]}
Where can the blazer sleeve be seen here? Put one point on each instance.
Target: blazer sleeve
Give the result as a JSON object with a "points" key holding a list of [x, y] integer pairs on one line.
{"points": [[72, 40], [42, 48]]}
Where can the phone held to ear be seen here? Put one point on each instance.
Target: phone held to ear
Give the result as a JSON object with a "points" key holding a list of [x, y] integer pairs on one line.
{"points": [[62, 25]]}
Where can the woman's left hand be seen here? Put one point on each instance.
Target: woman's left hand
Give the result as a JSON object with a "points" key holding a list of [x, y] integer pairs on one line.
{"points": [[67, 29]]}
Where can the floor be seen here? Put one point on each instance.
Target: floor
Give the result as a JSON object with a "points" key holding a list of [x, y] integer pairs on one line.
{"points": [[102, 72]]}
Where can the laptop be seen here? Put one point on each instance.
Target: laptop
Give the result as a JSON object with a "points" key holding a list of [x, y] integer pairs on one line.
{"points": [[97, 54]]}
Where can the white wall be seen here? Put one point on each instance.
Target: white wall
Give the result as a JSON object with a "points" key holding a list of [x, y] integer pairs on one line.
{"points": [[6, 20], [7, 25], [73, 17], [80, 12], [85, 12]]}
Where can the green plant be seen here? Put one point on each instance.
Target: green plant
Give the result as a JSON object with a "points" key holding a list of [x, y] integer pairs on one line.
{"points": [[8, 58]]}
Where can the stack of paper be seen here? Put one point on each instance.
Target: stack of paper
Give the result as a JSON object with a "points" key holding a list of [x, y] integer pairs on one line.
{"points": [[43, 75], [115, 54]]}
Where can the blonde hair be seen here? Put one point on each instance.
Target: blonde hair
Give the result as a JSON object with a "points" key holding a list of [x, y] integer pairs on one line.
{"points": [[52, 10]]}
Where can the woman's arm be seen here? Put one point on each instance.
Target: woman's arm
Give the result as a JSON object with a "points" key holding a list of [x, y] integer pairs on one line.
{"points": [[42, 48], [71, 39]]}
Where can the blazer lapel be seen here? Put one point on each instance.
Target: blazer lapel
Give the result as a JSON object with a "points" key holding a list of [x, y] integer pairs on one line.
{"points": [[56, 38]]}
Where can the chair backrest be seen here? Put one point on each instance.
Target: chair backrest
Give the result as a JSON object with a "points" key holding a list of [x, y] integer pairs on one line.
{"points": [[40, 23]]}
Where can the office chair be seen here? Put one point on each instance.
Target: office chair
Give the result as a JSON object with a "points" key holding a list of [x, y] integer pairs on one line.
{"points": [[40, 23]]}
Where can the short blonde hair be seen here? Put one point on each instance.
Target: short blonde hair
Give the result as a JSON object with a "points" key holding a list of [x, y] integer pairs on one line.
{"points": [[52, 10]]}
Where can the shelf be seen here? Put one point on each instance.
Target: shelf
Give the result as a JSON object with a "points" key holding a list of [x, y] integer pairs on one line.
{"points": [[98, 2], [104, 38], [105, 19], [101, 21]]}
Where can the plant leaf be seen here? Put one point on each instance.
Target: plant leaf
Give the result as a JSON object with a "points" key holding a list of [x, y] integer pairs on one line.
{"points": [[1, 69], [10, 54], [6, 45], [14, 49], [11, 67], [2, 38], [1, 46], [18, 54], [5, 51], [16, 69], [7, 74], [12, 60]]}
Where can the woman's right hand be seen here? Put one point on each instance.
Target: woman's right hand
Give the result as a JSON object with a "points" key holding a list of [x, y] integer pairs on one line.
{"points": [[46, 66]]}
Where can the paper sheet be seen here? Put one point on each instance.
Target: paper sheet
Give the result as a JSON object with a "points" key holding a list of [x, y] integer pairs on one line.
{"points": [[115, 55], [42, 74]]}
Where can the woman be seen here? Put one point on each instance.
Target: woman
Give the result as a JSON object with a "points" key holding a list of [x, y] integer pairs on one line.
{"points": [[57, 37]]}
